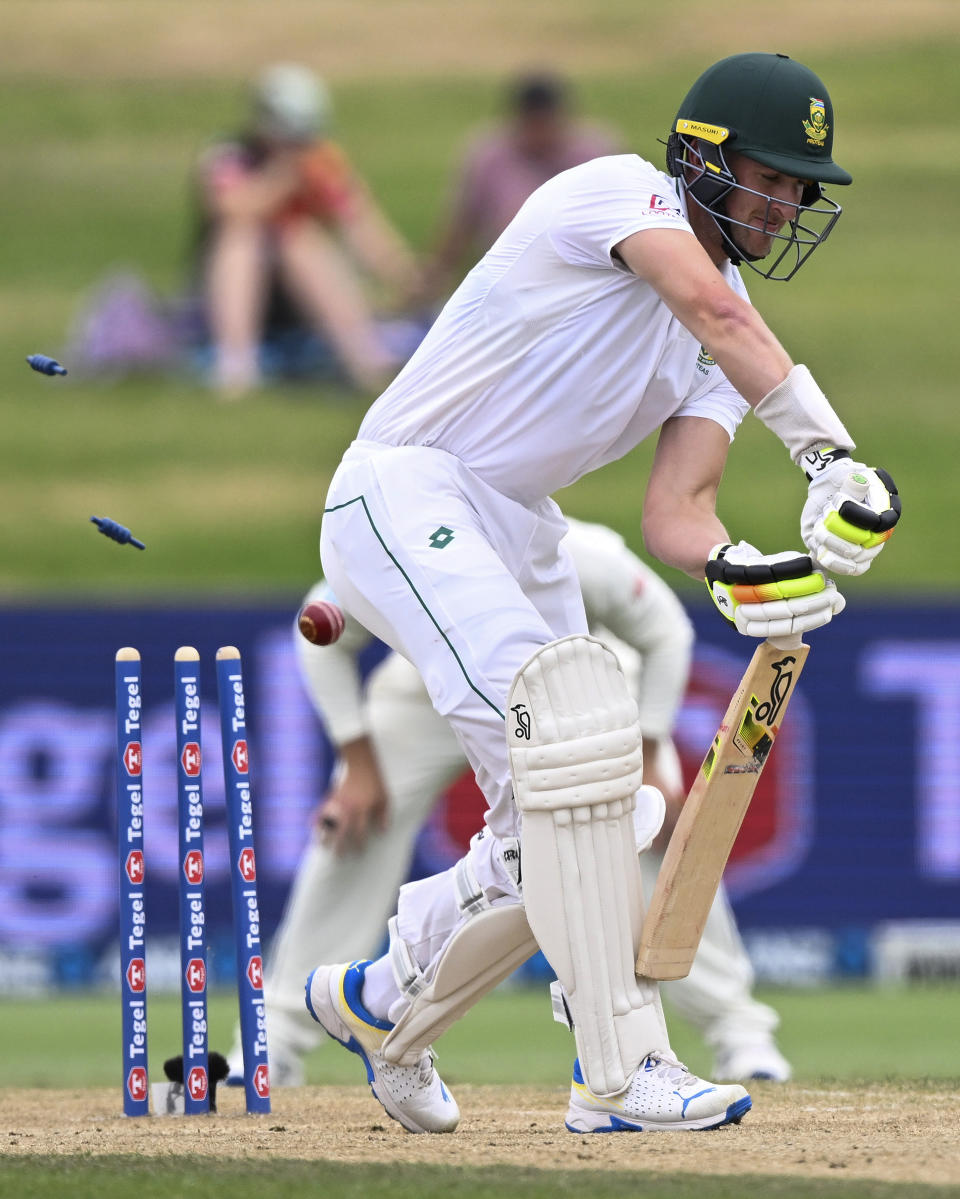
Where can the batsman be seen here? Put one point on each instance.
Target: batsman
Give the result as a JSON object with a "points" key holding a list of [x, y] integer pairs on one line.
{"points": [[611, 309]]}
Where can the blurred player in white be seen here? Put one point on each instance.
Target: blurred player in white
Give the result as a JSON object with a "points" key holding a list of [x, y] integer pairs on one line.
{"points": [[610, 310], [397, 755]]}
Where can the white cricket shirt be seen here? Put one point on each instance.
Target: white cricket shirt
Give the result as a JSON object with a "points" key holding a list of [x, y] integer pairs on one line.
{"points": [[552, 359]]}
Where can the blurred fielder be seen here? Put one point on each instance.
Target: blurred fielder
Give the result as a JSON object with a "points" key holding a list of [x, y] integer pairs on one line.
{"points": [[610, 308], [397, 756]]}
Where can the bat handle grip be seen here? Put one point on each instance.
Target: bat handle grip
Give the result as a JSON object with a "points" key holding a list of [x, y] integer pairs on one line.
{"points": [[787, 641]]}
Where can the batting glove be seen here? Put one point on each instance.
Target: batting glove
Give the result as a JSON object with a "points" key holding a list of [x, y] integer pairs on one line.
{"points": [[850, 512], [770, 595]]}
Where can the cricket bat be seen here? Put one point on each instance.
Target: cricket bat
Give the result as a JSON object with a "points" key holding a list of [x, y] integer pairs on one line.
{"points": [[713, 812]]}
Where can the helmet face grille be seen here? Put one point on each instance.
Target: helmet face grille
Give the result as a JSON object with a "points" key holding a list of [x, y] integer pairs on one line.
{"points": [[708, 181]]}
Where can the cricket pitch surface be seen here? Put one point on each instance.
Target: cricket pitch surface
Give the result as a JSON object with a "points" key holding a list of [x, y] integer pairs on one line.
{"points": [[891, 1132]]}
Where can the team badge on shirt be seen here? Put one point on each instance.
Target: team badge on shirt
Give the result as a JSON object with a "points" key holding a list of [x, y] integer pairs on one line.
{"points": [[662, 206], [705, 360]]}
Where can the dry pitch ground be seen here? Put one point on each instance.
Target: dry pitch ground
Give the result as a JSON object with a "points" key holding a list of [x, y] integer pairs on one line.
{"points": [[888, 1132]]}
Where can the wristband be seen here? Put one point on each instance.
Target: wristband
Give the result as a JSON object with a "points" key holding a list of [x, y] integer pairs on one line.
{"points": [[798, 412], [814, 462]]}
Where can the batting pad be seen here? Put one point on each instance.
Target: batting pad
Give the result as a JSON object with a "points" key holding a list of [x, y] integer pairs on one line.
{"points": [[575, 755], [484, 951]]}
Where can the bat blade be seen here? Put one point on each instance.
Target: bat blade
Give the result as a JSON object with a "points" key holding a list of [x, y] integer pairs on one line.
{"points": [[714, 810]]}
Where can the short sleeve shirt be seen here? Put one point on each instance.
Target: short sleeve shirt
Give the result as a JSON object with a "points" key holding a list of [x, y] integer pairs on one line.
{"points": [[552, 358]]}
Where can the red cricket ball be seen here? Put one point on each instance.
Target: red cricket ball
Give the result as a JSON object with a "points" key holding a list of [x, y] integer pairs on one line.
{"points": [[321, 622]]}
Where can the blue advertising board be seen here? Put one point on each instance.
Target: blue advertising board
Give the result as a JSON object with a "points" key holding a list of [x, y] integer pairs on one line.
{"points": [[858, 822]]}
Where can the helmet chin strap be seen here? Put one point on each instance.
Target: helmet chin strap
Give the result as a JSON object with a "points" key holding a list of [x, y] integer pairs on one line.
{"points": [[708, 192], [716, 209], [733, 251]]}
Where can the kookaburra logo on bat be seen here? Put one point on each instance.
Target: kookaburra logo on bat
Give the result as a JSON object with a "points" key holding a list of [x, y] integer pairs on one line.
{"points": [[779, 690], [523, 721]]}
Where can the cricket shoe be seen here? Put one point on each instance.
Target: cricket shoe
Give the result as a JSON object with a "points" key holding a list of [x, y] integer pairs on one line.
{"points": [[757, 1061], [662, 1096], [413, 1095]]}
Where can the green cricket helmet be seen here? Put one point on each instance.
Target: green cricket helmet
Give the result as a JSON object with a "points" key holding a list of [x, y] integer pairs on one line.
{"points": [[776, 111]]}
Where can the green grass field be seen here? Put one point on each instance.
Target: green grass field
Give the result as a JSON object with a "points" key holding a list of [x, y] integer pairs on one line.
{"points": [[192, 1178], [840, 1034], [228, 498]]}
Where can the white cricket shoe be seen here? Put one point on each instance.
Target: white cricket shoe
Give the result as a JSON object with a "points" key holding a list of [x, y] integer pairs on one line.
{"points": [[413, 1095], [662, 1096], [757, 1061]]}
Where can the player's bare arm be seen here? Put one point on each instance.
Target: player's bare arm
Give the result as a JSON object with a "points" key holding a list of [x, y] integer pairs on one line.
{"points": [[680, 523], [784, 396], [682, 273], [765, 595]]}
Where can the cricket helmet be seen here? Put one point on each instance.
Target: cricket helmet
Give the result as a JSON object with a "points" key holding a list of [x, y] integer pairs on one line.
{"points": [[777, 112]]}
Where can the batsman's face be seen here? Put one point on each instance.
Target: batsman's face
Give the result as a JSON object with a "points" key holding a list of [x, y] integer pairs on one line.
{"points": [[765, 201]]}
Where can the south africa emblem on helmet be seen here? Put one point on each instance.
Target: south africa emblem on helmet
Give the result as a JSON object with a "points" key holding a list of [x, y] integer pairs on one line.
{"points": [[817, 128]]}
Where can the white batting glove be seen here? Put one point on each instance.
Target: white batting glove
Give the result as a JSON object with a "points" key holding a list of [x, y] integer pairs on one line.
{"points": [[770, 595], [850, 512]]}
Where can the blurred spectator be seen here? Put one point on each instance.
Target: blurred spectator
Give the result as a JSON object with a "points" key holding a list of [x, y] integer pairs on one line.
{"points": [[538, 138], [288, 233]]}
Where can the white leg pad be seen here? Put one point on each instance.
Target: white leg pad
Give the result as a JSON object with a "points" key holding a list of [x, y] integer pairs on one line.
{"points": [[483, 951], [575, 755]]}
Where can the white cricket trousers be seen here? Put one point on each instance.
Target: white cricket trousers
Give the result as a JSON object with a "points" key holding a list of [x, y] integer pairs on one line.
{"points": [[466, 584], [461, 580]]}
